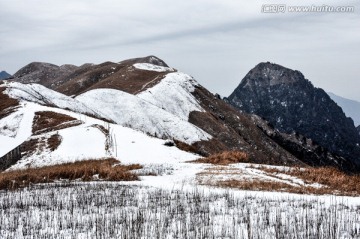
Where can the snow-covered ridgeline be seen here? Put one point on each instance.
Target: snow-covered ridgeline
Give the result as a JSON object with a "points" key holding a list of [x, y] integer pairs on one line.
{"points": [[131, 111], [41, 95], [173, 94]]}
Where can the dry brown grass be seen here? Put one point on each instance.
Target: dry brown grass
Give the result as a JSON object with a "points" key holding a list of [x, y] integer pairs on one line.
{"points": [[53, 142], [33, 145], [46, 121], [185, 147], [329, 180], [260, 185], [334, 179], [6, 104], [107, 169], [225, 158]]}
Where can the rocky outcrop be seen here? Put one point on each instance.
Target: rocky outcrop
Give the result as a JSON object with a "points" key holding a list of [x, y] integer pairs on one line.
{"points": [[293, 105]]}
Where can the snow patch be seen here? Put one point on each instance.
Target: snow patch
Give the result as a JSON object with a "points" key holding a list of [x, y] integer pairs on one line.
{"points": [[151, 67], [23, 127], [9, 126]]}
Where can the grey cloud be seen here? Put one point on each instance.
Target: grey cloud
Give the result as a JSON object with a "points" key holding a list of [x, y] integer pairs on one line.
{"points": [[217, 42]]}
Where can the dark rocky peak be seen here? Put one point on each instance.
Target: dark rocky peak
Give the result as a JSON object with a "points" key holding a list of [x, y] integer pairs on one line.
{"points": [[4, 75], [358, 129], [35, 67], [148, 59], [269, 74], [43, 73], [292, 104]]}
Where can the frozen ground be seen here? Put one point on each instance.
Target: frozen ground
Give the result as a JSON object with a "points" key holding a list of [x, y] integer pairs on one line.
{"points": [[112, 210]]}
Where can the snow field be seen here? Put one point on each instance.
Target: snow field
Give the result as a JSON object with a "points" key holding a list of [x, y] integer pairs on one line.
{"points": [[111, 210]]}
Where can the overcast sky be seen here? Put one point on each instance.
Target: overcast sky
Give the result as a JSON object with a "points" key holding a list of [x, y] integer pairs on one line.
{"points": [[216, 41]]}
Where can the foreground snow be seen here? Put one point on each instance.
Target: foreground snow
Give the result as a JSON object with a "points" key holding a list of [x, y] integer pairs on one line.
{"points": [[111, 210]]}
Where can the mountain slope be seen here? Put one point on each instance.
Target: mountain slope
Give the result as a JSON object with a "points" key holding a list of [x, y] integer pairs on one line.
{"points": [[350, 107], [51, 134], [131, 111], [292, 104], [4, 75], [130, 75], [163, 102]]}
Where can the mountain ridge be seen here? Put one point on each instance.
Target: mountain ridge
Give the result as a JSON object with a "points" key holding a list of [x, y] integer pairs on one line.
{"points": [[158, 88]]}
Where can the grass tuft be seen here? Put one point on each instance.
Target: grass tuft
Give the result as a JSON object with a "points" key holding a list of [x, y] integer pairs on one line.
{"points": [[225, 158]]}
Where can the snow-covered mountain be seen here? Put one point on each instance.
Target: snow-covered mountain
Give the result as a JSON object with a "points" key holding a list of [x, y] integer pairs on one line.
{"points": [[127, 110], [350, 107], [38, 121]]}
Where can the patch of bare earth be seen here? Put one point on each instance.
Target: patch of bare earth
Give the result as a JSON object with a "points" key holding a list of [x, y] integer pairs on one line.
{"points": [[40, 144], [186, 147], [47, 121], [107, 170], [7, 104]]}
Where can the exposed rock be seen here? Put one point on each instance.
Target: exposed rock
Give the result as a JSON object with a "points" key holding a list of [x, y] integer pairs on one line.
{"points": [[292, 104]]}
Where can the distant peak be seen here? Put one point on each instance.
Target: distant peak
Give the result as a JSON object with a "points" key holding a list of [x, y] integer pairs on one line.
{"points": [[148, 59], [4, 75], [34, 67]]}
